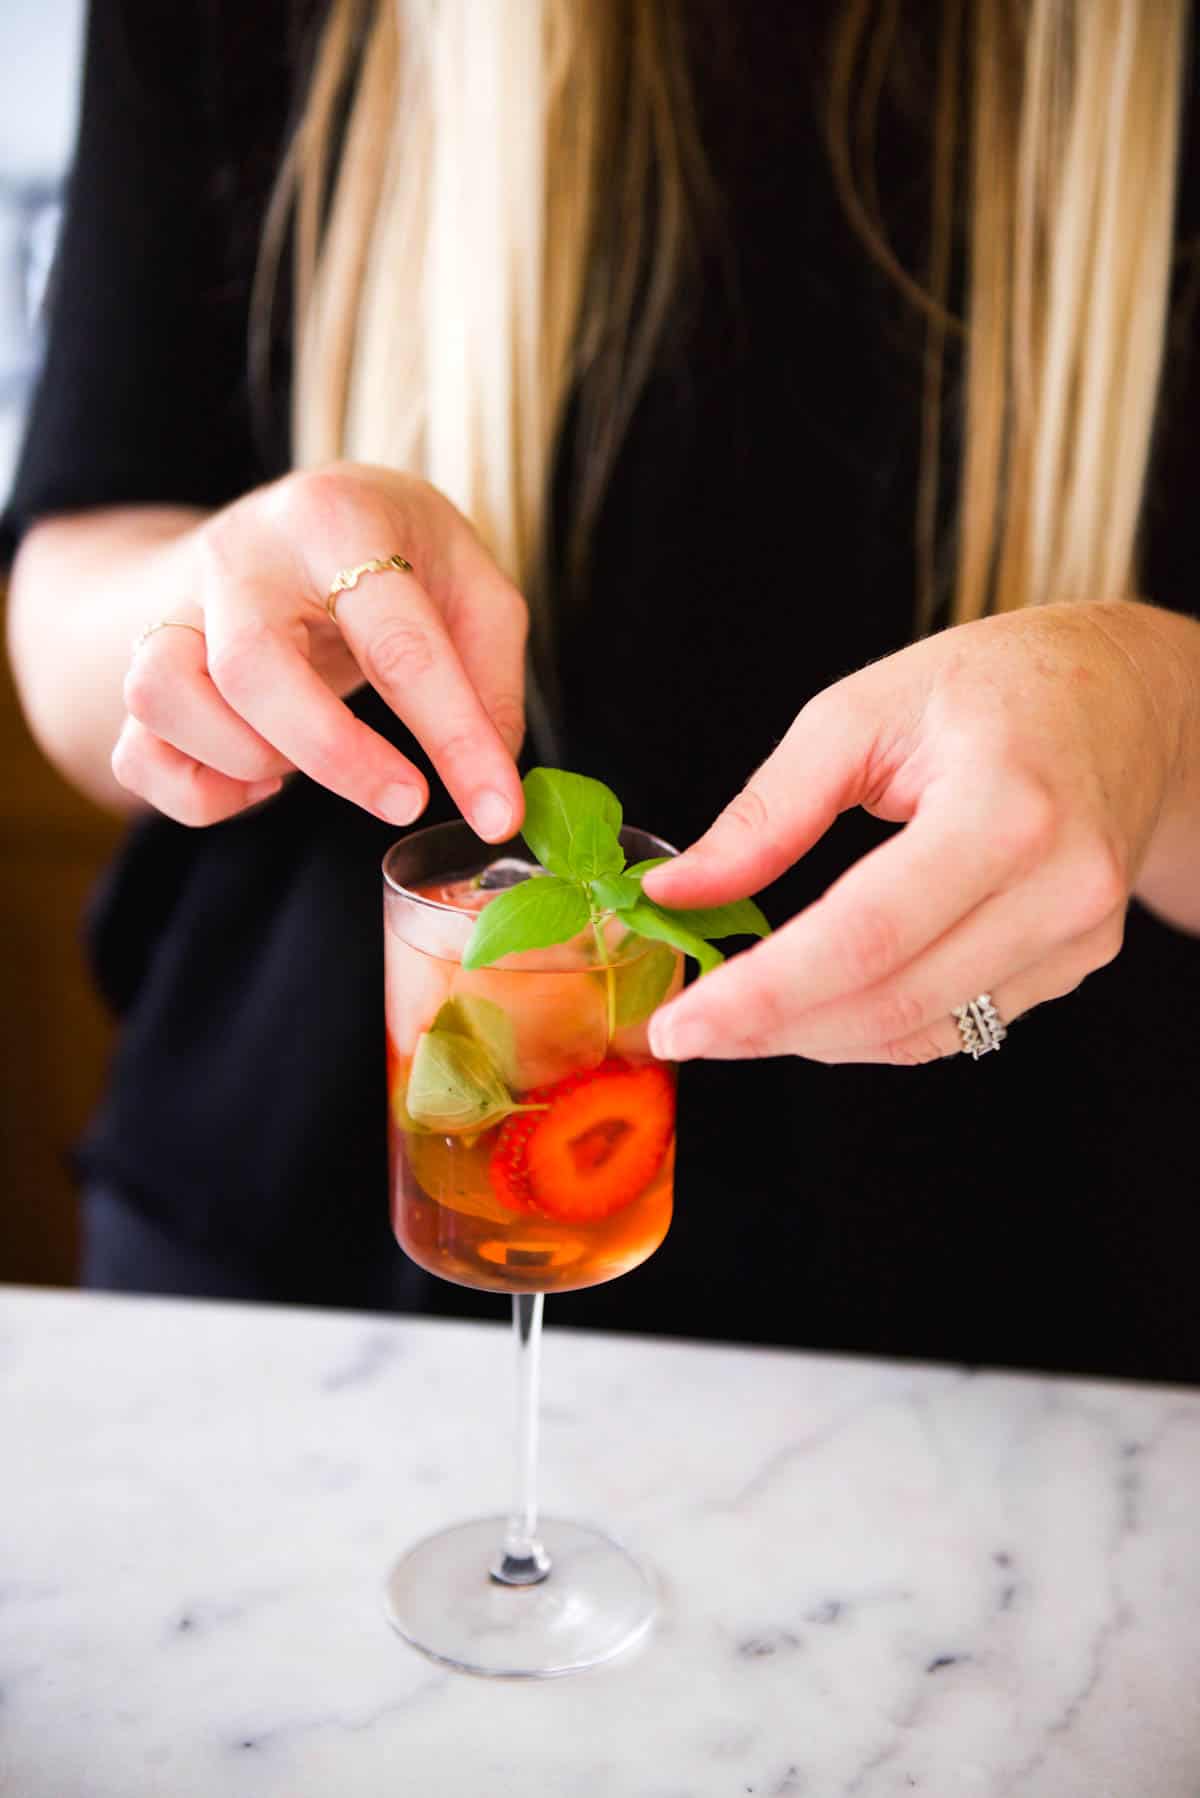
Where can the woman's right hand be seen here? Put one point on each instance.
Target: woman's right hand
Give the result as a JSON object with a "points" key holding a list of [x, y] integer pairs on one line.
{"points": [[217, 715]]}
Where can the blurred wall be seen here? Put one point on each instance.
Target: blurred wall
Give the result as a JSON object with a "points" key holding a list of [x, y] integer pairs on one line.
{"points": [[52, 844]]}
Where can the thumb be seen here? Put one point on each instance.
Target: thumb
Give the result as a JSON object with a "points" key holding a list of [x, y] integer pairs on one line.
{"points": [[822, 767]]}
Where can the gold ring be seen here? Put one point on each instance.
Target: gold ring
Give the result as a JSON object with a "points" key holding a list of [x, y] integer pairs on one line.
{"points": [[348, 577], [165, 624]]}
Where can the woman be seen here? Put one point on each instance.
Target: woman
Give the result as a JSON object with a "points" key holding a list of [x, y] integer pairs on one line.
{"points": [[752, 346]]}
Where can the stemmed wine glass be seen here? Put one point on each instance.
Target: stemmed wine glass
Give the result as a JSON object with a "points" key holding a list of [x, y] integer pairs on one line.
{"points": [[532, 1139]]}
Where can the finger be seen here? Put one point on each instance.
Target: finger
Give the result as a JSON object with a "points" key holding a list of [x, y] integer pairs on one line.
{"points": [[168, 690], [999, 940], [820, 769], [488, 622], [400, 642], [761, 1035], [884, 910], [1052, 978], [178, 786], [268, 681]]}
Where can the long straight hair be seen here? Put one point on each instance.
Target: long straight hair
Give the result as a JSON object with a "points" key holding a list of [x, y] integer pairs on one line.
{"points": [[515, 195]]}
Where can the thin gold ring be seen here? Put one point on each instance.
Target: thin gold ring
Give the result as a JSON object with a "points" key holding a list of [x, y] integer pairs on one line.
{"points": [[165, 624], [349, 577]]}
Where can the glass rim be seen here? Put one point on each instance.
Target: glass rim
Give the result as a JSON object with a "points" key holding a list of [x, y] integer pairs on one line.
{"points": [[459, 829], [457, 826]]}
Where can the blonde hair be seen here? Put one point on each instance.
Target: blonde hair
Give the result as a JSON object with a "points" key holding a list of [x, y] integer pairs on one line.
{"points": [[449, 294], [458, 277]]}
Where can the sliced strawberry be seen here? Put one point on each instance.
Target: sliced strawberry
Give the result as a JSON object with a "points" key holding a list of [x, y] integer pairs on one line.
{"points": [[596, 1146]]}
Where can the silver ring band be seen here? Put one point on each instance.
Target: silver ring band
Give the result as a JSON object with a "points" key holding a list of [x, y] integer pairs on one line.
{"points": [[980, 1026]]}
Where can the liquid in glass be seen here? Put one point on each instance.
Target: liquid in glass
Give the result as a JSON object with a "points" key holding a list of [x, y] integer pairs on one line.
{"points": [[532, 1131]]}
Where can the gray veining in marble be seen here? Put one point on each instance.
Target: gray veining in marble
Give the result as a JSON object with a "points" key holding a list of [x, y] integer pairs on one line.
{"points": [[876, 1580]]}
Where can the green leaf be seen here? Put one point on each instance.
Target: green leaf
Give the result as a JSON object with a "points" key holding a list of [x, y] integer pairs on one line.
{"points": [[642, 984], [640, 868], [651, 920], [739, 918], [615, 892], [556, 803], [466, 1014], [453, 1087], [533, 915], [595, 851]]}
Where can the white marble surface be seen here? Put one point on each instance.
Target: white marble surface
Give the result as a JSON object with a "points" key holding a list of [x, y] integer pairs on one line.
{"points": [[876, 1579]]}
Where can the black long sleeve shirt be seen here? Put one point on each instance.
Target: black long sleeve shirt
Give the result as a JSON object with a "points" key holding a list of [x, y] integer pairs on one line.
{"points": [[756, 543]]}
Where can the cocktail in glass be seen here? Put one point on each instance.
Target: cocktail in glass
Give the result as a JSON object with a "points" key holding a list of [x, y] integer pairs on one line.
{"points": [[532, 1139]]}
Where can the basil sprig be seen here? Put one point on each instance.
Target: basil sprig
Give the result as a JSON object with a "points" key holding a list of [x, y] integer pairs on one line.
{"points": [[571, 826]]}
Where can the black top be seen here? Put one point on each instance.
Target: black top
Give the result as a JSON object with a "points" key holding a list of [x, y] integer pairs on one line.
{"points": [[756, 544]]}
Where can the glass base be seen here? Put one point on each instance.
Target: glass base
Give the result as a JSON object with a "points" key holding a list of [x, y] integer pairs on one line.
{"points": [[595, 1602]]}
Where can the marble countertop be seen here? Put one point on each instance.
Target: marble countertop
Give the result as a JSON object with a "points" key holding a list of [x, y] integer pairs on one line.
{"points": [[876, 1579]]}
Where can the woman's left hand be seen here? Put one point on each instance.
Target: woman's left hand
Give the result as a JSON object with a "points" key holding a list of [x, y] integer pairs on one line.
{"points": [[1031, 757]]}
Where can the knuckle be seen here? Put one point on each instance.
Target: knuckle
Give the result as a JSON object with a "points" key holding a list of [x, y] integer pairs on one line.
{"points": [[914, 1052], [141, 691], [1065, 980], [1097, 949], [327, 754], [897, 1016], [747, 812], [459, 748], [1025, 830], [233, 662], [507, 713], [1098, 886], [763, 1011], [399, 653], [316, 499], [828, 706], [125, 761], [202, 800], [215, 544], [1110, 939], [869, 943], [246, 763]]}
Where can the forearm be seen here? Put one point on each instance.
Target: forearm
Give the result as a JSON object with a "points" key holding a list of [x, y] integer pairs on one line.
{"points": [[1165, 647], [82, 588]]}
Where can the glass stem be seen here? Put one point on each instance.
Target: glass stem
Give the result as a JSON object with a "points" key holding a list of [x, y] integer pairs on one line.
{"points": [[522, 1560]]}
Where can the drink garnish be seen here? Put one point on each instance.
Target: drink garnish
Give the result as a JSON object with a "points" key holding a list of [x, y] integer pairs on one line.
{"points": [[454, 1087], [571, 825], [594, 1146]]}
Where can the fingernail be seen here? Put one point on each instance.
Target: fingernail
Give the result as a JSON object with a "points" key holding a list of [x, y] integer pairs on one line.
{"points": [[400, 804], [492, 815], [679, 1039], [262, 789]]}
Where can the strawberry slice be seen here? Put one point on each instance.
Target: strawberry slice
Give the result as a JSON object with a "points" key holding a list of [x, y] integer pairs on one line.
{"points": [[596, 1146]]}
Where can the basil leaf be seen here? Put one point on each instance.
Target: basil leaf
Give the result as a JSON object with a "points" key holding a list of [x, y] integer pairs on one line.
{"points": [[555, 805], [740, 918], [595, 851], [533, 915], [651, 920], [452, 1086], [640, 868], [615, 892], [642, 985], [466, 1014]]}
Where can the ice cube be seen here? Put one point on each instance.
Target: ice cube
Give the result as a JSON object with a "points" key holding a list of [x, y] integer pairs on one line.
{"points": [[507, 871], [416, 986], [558, 1020]]}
